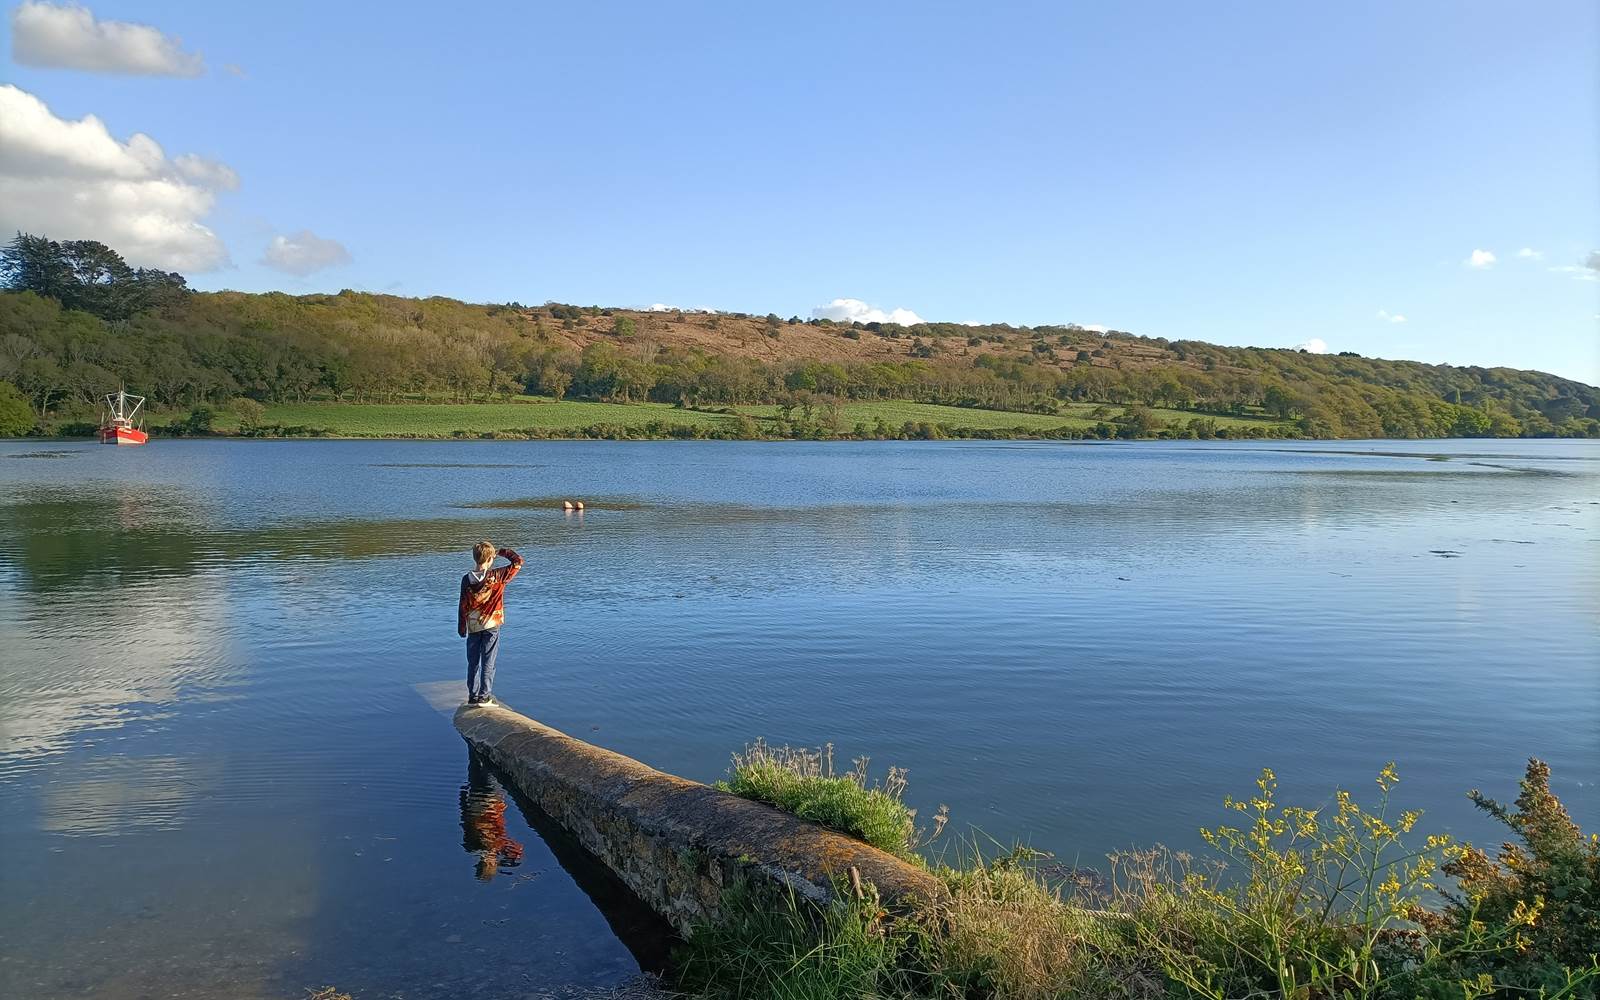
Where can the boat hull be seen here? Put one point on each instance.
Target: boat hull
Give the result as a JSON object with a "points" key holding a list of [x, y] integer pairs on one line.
{"points": [[122, 435]]}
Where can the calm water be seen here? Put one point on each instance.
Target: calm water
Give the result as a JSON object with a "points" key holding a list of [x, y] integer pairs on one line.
{"points": [[225, 768]]}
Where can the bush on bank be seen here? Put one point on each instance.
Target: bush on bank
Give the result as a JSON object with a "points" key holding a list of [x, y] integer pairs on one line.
{"points": [[1292, 903]]}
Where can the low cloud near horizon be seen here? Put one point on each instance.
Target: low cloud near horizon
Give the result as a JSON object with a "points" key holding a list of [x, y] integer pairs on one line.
{"points": [[1389, 317], [72, 180], [1316, 345], [304, 253], [69, 36], [1480, 259], [857, 311]]}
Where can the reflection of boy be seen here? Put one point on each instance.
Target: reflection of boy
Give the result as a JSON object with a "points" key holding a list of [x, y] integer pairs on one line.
{"points": [[483, 824], [479, 614]]}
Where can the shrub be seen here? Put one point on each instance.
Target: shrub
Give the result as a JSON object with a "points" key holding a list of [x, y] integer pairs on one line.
{"points": [[1315, 903], [197, 424], [248, 412], [16, 415], [804, 782], [1543, 891]]}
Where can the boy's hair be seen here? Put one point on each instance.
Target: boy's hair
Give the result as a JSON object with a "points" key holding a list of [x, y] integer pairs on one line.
{"points": [[482, 552]]}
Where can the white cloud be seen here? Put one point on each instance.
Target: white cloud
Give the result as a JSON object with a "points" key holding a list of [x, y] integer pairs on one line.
{"points": [[857, 311], [304, 253], [68, 36], [1098, 328], [72, 180], [208, 173], [1316, 345], [662, 307], [1589, 270], [1389, 317], [1529, 253], [1480, 259]]}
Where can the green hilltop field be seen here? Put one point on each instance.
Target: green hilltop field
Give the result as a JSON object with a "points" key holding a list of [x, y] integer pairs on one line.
{"points": [[544, 416]]}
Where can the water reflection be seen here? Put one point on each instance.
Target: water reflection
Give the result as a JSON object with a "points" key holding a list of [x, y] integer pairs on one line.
{"points": [[483, 823], [646, 936], [63, 542], [115, 796], [95, 663]]}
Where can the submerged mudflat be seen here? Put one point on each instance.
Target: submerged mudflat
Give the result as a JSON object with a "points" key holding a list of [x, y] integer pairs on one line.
{"points": [[224, 769]]}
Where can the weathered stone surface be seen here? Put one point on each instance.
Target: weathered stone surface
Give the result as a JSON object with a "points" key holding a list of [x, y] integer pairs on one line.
{"points": [[678, 844]]}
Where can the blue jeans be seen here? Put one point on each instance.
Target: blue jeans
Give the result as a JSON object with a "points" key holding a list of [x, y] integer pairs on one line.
{"points": [[481, 649]]}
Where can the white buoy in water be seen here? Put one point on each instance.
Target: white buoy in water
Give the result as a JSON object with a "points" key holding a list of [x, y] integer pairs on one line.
{"points": [[580, 505], [566, 505]]}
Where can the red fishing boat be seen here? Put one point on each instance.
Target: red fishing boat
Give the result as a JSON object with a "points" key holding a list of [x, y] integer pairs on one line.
{"points": [[124, 421]]}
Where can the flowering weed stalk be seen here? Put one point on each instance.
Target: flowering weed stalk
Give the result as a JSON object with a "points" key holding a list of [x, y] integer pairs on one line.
{"points": [[1306, 903]]}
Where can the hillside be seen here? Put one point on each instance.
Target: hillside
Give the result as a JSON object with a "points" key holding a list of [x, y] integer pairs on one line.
{"points": [[187, 349]]}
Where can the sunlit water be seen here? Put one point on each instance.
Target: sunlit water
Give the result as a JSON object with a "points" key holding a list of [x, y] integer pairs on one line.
{"points": [[225, 769]]}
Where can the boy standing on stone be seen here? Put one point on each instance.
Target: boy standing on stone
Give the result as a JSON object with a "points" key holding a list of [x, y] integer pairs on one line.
{"points": [[479, 614]]}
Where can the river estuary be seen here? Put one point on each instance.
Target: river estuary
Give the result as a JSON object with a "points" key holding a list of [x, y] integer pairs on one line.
{"points": [[227, 767]]}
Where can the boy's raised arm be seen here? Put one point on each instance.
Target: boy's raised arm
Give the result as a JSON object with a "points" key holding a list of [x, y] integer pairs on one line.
{"points": [[516, 564]]}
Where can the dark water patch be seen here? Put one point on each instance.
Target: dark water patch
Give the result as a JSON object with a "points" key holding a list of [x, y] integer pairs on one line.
{"points": [[1431, 456], [43, 454], [1445, 553], [1457, 472], [454, 465], [1523, 470]]}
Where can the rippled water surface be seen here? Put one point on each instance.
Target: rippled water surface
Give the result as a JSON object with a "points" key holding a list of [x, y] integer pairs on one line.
{"points": [[226, 766]]}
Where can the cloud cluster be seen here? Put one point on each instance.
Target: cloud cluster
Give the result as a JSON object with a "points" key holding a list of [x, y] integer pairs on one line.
{"points": [[1587, 270], [74, 180], [68, 36], [304, 253], [1316, 345], [857, 311], [1389, 317]]}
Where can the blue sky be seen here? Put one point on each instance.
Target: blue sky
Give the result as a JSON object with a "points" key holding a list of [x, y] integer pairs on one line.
{"points": [[1248, 173]]}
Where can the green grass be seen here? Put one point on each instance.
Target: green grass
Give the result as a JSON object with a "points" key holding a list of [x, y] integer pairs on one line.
{"points": [[555, 417], [1076, 415], [444, 419], [803, 782]]}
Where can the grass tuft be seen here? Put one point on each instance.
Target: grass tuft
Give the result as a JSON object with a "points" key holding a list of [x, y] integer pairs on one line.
{"points": [[804, 782]]}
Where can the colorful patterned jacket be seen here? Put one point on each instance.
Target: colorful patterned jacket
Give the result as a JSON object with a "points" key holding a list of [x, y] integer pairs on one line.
{"points": [[483, 596]]}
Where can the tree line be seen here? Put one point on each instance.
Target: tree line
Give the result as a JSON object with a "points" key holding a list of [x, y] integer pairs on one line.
{"points": [[76, 321]]}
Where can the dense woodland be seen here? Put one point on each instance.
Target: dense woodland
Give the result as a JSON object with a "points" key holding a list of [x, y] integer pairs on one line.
{"points": [[76, 321]]}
